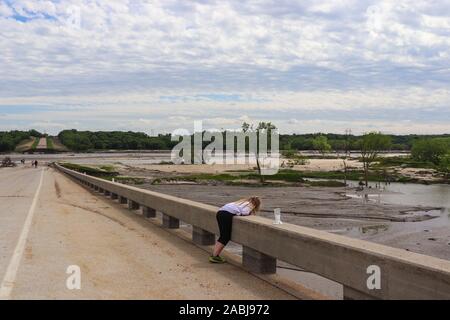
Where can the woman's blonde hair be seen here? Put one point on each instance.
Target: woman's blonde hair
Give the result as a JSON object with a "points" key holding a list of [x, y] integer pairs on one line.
{"points": [[253, 201]]}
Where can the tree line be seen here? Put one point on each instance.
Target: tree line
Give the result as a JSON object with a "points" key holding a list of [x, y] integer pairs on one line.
{"points": [[117, 140], [435, 151], [342, 142], [102, 140], [10, 139]]}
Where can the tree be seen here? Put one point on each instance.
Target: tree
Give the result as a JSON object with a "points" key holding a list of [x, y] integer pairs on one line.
{"points": [[6, 144], [444, 165], [430, 150], [246, 127], [321, 144], [263, 127], [371, 145]]}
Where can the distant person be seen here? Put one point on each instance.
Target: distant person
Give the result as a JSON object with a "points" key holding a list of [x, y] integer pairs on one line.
{"points": [[36, 163], [243, 207], [361, 185]]}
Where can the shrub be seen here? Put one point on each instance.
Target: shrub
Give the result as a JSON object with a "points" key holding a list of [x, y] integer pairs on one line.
{"points": [[430, 149]]}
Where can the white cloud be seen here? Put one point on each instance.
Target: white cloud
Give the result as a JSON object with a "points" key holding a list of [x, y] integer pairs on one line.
{"points": [[278, 58], [5, 10]]}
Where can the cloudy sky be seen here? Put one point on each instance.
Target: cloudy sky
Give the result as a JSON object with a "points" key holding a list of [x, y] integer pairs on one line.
{"points": [[158, 65]]}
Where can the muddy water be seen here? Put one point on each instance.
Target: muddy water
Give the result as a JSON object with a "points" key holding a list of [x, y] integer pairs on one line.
{"points": [[423, 237], [437, 195]]}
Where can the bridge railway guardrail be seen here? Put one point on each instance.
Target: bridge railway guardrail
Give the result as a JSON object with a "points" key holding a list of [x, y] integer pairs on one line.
{"points": [[351, 262]]}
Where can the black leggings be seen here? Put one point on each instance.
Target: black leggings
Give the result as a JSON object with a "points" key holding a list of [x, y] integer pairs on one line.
{"points": [[225, 220]]}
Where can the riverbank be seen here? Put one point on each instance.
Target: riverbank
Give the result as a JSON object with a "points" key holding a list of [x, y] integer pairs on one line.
{"points": [[352, 169], [310, 166]]}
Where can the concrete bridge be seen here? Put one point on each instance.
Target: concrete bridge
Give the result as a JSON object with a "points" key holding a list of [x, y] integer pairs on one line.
{"points": [[128, 243]]}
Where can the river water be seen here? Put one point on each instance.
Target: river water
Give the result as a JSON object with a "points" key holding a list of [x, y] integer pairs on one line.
{"points": [[434, 195]]}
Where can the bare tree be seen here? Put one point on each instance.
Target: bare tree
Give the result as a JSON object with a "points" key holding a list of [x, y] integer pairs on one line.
{"points": [[262, 127], [371, 145]]}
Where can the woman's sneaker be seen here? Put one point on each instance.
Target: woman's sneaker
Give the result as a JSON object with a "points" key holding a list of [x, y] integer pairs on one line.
{"points": [[216, 259]]}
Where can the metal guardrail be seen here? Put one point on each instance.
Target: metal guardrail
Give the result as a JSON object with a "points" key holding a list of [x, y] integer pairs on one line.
{"points": [[353, 263]]}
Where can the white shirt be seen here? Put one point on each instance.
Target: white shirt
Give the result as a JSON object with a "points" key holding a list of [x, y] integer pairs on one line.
{"points": [[241, 209]]}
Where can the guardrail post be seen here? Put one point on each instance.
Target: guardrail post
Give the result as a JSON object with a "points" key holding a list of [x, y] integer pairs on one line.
{"points": [[114, 196], [258, 262], [170, 222], [123, 200], [133, 205], [202, 237], [148, 212]]}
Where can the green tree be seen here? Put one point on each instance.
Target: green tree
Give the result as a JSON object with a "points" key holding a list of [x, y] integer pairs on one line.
{"points": [[6, 143], [321, 144], [10, 139], [444, 165], [430, 150], [371, 145]]}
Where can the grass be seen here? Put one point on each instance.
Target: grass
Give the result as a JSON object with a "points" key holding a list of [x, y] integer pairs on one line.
{"points": [[58, 146], [50, 145], [107, 167], [282, 175], [105, 172], [288, 176], [96, 172], [125, 179], [25, 145], [293, 176], [35, 143], [404, 162]]}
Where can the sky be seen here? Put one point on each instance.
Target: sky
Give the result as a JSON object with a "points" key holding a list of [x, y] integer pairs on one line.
{"points": [[156, 66]]}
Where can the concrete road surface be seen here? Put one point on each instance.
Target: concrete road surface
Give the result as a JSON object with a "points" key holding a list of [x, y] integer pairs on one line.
{"points": [[48, 223]]}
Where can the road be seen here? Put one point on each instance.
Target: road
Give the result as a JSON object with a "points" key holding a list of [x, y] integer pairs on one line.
{"points": [[48, 223], [42, 144]]}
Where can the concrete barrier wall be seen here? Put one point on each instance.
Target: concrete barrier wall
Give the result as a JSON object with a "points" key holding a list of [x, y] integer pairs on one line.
{"points": [[403, 274]]}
